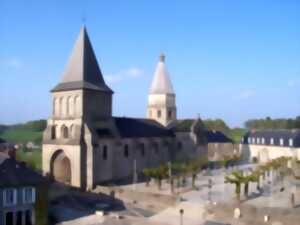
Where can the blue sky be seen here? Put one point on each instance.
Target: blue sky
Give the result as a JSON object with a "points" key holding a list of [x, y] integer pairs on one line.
{"points": [[233, 60]]}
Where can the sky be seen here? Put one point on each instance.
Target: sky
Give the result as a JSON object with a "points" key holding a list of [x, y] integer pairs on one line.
{"points": [[228, 59]]}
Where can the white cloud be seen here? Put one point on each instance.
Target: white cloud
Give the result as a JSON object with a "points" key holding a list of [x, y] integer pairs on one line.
{"points": [[132, 72], [246, 94]]}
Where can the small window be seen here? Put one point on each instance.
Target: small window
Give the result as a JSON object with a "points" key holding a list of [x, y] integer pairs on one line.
{"points": [[169, 114], [142, 149], [258, 140], [126, 151], [179, 145], [253, 140], [28, 195], [263, 141], [104, 152], [9, 197], [249, 140], [272, 141], [291, 142], [281, 142], [158, 113]]}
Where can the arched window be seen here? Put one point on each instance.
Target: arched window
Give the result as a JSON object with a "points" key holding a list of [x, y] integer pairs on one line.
{"points": [[64, 107], [76, 106], [272, 141], [158, 113], [142, 149], [126, 151], [60, 106], [53, 132], [104, 152], [68, 105], [56, 107], [65, 131], [72, 131]]}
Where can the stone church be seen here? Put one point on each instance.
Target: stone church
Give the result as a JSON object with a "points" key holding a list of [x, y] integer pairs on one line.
{"points": [[85, 145]]}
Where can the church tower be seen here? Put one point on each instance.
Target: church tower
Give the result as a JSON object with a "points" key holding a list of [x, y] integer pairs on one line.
{"points": [[162, 99], [79, 100]]}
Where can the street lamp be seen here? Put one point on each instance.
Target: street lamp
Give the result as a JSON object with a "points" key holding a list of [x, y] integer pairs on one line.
{"points": [[181, 211]]}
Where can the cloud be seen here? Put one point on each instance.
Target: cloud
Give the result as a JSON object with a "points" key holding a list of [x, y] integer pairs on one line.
{"points": [[130, 73], [246, 94]]}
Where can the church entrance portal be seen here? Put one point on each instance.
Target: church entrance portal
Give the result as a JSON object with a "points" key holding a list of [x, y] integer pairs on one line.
{"points": [[61, 167]]}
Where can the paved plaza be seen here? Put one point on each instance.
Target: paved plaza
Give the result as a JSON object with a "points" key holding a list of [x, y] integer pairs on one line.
{"points": [[206, 205]]}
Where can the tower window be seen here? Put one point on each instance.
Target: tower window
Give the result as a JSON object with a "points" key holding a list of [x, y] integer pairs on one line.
{"points": [[53, 132], [65, 131], [158, 113], [169, 114], [126, 151], [104, 152]]}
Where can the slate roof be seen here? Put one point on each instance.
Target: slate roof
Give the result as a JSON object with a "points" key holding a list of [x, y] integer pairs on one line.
{"points": [[217, 137], [135, 128], [130, 127], [14, 173], [161, 83], [286, 135], [82, 71]]}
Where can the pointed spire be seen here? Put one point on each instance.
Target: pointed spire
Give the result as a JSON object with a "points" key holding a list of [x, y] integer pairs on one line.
{"points": [[82, 70], [161, 83]]}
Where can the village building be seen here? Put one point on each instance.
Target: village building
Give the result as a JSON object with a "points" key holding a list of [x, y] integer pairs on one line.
{"points": [[85, 145], [265, 145], [23, 194]]}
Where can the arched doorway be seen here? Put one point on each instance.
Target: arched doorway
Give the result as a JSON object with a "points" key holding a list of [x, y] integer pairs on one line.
{"points": [[61, 167]]}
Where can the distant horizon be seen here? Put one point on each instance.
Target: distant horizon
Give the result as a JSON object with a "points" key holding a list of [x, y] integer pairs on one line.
{"points": [[230, 60]]}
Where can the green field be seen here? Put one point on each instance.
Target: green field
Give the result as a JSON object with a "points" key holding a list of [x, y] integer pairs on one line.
{"points": [[16, 135], [32, 159], [22, 136]]}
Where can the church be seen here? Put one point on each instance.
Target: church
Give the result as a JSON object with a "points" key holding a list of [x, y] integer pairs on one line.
{"points": [[85, 145]]}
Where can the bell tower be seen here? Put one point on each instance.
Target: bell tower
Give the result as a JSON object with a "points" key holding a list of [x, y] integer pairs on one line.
{"points": [[162, 99]]}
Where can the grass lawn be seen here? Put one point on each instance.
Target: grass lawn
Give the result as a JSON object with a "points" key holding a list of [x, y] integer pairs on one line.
{"points": [[22, 136], [32, 159], [237, 133]]}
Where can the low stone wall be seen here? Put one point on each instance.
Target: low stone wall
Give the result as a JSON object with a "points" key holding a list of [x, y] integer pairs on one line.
{"points": [[148, 198]]}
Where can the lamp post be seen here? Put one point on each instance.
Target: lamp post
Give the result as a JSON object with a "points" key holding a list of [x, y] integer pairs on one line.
{"points": [[181, 211]]}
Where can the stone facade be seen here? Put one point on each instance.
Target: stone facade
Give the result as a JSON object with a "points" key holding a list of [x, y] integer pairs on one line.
{"points": [[84, 145], [265, 145]]}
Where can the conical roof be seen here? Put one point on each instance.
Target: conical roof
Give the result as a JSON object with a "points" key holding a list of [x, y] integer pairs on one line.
{"points": [[82, 71], [161, 83]]}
